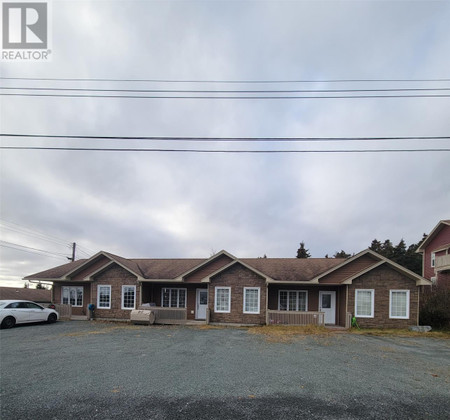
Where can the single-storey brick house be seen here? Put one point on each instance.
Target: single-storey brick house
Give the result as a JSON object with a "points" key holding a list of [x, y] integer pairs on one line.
{"points": [[226, 289]]}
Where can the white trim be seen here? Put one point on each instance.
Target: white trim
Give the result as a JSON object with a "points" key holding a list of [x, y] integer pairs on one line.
{"points": [[259, 299], [170, 297], [433, 259], [407, 304], [215, 299], [73, 287], [372, 313], [330, 313], [123, 295], [98, 296], [197, 301], [292, 291]]}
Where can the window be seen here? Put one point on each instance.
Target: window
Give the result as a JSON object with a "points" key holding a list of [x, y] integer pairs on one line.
{"points": [[173, 298], [433, 259], [292, 300], [104, 297], [251, 300], [222, 301], [364, 302], [399, 304], [128, 297], [72, 295]]}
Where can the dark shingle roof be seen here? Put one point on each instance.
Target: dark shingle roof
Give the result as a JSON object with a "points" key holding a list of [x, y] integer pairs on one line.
{"points": [[281, 269], [55, 272], [292, 269]]}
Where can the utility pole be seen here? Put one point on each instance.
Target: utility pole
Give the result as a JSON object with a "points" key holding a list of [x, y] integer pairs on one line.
{"points": [[74, 247]]}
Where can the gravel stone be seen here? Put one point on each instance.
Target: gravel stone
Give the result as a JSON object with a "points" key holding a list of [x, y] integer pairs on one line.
{"points": [[89, 370]]}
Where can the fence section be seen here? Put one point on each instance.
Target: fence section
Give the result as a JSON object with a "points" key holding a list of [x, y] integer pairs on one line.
{"points": [[295, 318]]}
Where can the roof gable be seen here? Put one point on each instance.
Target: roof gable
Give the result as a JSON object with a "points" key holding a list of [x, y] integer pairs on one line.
{"points": [[435, 232], [346, 272]]}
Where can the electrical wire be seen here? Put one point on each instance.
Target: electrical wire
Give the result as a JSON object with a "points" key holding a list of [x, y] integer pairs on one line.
{"points": [[50, 95], [87, 149], [80, 79], [59, 89], [224, 139], [43, 251], [31, 252]]}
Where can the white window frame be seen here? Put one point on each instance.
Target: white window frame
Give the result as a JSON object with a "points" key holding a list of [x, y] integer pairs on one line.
{"points": [[123, 297], [372, 314], [407, 304], [170, 297], [76, 288], [98, 296], [217, 288], [258, 289], [297, 292], [433, 259]]}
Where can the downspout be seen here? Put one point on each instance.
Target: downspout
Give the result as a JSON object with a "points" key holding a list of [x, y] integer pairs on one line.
{"points": [[267, 303], [418, 304]]}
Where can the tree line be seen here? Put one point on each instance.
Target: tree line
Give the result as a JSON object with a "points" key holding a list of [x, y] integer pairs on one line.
{"points": [[402, 254]]}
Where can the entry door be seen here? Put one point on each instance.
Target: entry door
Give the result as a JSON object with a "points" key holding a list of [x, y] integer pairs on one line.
{"points": [[327, 304], [201, 303]]}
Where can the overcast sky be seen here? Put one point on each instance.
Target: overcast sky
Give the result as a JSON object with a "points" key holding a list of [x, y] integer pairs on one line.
{"points": [[157, 205]]}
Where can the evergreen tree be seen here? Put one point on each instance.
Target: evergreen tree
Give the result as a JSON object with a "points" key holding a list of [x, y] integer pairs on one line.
{"points": [[341, 254], [376, 246], [302, 252]]}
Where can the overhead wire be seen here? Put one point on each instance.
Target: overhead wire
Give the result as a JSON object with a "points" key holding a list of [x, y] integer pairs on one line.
{"points": [[238, 81], [225, 139], [209, 97], [98, 149]]}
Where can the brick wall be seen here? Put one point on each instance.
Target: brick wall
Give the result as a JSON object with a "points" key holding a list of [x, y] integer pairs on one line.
{"points": [[115, 276], [383, 279], [237, 277]]}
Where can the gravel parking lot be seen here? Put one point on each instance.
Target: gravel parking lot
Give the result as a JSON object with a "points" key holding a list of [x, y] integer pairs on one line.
{"points": [[103, 370]]}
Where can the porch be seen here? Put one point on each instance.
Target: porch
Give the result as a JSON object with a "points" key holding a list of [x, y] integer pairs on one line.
{"points": [[274, 317]]}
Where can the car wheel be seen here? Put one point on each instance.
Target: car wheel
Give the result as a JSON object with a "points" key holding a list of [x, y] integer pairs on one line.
{"points": [[9, 322], [51, 318]]}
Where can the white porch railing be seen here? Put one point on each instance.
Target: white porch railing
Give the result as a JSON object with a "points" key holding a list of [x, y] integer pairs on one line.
{"points": [[295, 318]]}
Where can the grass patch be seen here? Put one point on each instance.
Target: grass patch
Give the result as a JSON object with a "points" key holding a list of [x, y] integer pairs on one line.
{"points": [[382, 332], [287, 333]]}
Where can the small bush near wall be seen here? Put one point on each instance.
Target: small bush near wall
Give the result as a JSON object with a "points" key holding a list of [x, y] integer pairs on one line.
{"points": [[435, 308]]}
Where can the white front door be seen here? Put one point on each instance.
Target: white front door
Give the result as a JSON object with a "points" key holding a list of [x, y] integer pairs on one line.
{"points": [[327, 304], [201, 303]]}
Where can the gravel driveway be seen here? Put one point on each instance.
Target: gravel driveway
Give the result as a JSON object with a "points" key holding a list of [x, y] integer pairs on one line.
{"points": [[88, 370]]}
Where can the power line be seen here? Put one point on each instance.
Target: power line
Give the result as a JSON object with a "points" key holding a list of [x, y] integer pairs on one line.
{"points": [[31, 252], [43, 251], [225, 139], [15, 227], [87, 149], [50, 95], [32, 232], [73, 79], [59, 89]]}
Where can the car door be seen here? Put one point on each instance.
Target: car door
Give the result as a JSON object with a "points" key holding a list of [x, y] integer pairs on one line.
{"points": [[19, 310], [36, 312]]}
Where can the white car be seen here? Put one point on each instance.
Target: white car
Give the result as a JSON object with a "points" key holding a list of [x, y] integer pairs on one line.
{"points": [[14, 312]]}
